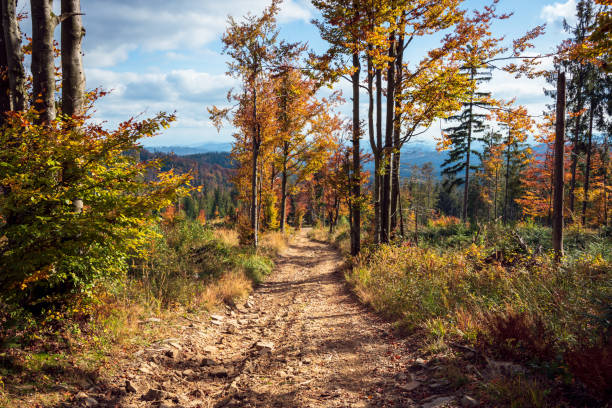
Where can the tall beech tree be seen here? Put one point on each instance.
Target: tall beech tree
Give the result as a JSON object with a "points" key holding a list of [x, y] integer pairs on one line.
{"points": [[44, 22], [343, 25], [73, 75], [14, 52], [306, 124], [5, 87]]}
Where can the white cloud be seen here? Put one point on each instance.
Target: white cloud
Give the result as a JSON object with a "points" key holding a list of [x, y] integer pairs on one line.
{"points": [[559, 11], [185, 91], [116, 27]]}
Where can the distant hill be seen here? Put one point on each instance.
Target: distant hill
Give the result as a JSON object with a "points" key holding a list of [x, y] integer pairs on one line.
{"points": [[414, 153], [190, 150], [417, 152], [212, 171], [211, 168]]}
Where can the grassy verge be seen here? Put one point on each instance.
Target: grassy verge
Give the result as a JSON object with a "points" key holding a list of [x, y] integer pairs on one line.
{"points": [[497, 292], [188, 269]]}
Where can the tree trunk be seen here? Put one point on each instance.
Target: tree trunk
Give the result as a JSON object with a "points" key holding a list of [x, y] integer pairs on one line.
{"points": [[5, 97], [400, 210], [43, 67], [505, 211], [466, 187], [557, 232], [283, 195], [254, 172], [388, 153], [605, 181], [356, 184], [73, 76], [375, 151], [14, 53], [397, 145], [495, 195], [587, 170], [381, 154]]}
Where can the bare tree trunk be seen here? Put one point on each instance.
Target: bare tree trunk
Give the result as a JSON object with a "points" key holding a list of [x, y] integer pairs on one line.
{"points": [[587, 170], [73, 76], [14, 53], [605, 181], [5, 87], [466, 187], [356, 182], [399, 206], [381, 154], [388, 154], [557, 232], [375, 151], [505, 210], [254, 172], [495, 194], [284, 193], [43, 67], [397, 145]]}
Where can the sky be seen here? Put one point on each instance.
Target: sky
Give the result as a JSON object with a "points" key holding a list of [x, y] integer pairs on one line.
{"points": [[166, 55]]}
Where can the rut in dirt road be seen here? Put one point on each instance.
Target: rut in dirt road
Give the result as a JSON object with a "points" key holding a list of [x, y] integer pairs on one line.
{"points": [[301, 340]]}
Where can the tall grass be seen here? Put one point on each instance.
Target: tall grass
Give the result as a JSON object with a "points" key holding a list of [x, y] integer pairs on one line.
{"points": [[505, 297]]}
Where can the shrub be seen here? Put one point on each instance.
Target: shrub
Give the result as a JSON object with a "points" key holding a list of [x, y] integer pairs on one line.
{"points": [[53, 254], [517, 335], [257, 267]]}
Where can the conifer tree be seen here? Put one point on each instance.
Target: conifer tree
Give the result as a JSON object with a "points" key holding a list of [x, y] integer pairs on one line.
{"points": [[464, 135]]}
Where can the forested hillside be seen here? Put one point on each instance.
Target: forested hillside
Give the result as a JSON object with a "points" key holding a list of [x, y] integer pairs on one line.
{"points": [[212, 173]]}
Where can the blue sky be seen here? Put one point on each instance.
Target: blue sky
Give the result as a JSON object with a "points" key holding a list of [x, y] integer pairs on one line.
{"points": [[166, 55]]}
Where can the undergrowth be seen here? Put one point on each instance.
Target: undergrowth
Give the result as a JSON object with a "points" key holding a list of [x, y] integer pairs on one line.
{"points": [[498, 290], [186, 269]]}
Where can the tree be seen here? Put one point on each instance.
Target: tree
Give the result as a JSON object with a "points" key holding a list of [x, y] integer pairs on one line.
{"points": [[306, 124], [43, 54], [491, 163], [250, 44], [73, 75], [557, 232], [53, 253], [517, 123], [12, 41], [342, 26], [463, 136]]}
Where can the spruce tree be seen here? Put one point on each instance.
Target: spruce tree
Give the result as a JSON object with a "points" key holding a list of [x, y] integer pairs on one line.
{"points": [[463, 137]]}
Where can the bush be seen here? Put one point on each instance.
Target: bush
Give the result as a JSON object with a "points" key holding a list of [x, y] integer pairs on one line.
{"points": [[257, 267], [52, 254]]}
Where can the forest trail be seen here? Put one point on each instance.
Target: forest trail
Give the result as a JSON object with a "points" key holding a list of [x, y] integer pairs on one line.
{"points": [[301, 340]]}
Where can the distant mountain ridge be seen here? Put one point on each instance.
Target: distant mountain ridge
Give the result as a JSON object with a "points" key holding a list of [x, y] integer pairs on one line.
{"points": [[194, 149]]}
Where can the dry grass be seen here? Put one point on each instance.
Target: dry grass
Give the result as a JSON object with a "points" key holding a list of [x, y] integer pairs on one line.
{"points": [[227, 236], [340, 238], [275, 241], [230, 287]]}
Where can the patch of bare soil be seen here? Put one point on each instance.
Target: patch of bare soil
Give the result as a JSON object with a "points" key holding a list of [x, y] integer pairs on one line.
{"points": [[301, 340]]}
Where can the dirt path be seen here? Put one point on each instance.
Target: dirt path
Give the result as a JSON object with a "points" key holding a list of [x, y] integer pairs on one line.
{"points": [[301, 340]]}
